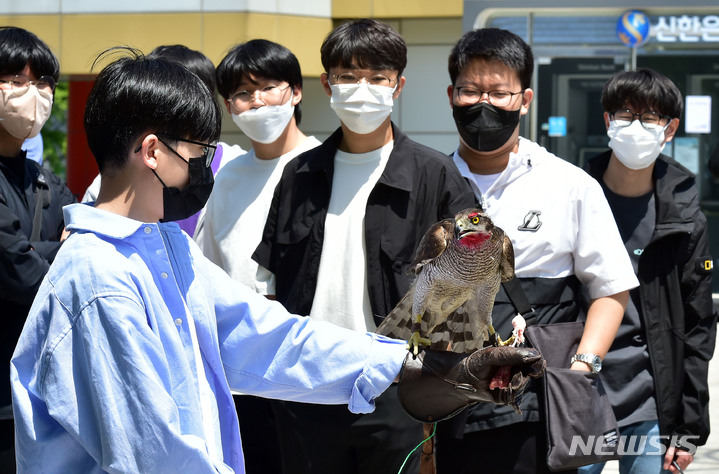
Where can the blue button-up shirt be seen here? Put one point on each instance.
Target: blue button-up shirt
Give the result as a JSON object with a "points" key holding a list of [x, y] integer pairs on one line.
{"points": [[134, 335]]}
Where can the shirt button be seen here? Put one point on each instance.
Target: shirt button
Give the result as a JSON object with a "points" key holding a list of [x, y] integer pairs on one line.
{"points": [[148, 230], [178, 322], [163, 275]]}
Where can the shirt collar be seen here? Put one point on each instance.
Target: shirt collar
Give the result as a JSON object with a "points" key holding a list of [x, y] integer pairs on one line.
{"points": [[85, 217], [396, 173]]}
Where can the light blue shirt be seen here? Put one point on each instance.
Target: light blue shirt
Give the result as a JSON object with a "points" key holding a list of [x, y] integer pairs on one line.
{"points": [[105, 374]]}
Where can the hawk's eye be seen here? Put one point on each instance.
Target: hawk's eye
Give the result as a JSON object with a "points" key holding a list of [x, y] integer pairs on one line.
{"points": [[475, 220]]}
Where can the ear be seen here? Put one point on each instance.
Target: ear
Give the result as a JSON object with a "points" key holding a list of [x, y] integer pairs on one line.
{"points": [[450, 94], [671, 130], [606, 120], [228, 106], [527, 97], [148, 149], [296, 95], [400, 85], [324, 79]]}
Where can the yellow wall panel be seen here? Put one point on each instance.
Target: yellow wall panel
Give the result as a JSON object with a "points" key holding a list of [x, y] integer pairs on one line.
{"points": [[417, 8], [396, 9], [85, 36], [46, 27], [352, 8], [302, 35]]}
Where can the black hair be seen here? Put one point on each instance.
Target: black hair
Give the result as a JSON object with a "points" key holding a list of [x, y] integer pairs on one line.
{"points": [[366, 43], [260, 58], [493, 45], [135, 95], [641, 89], [193, 60], [19, 47]]}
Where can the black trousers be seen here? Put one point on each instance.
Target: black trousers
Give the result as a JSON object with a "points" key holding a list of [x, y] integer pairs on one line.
{"points": [[328, 439], [520, 448], [258, 432], [7, 446]]}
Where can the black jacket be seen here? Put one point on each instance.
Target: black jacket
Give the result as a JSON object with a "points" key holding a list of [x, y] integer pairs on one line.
{"points": [[24, 262], [418, 187], [676, 300]]}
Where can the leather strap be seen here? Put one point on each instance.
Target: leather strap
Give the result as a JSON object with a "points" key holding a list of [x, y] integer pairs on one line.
{"points": [[519, 300]]}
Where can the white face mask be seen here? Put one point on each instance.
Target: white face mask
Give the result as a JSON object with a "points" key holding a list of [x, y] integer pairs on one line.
{"points": [[362, 107], [265, 124], [23, 112], [635, 146]]}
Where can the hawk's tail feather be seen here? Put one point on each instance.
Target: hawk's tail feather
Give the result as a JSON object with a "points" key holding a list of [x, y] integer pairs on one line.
{"points": [[398, 323]]}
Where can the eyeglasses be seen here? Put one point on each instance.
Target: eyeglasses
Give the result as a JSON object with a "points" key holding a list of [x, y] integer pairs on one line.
{"points": [[271, 93], [374, 79], [649, 120], [208, 152], [20, 81], [470, 95]]}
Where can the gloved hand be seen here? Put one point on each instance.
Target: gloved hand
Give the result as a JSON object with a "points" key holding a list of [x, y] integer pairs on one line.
{"points": [[437, 385]]}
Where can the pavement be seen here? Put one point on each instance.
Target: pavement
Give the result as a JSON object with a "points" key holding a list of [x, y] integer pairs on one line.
{"points": [[706, 459]]}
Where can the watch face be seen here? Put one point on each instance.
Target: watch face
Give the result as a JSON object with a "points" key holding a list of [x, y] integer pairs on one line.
{"points": [[597, 364]]}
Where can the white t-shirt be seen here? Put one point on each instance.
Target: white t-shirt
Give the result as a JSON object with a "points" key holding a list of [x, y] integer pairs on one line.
{"points": [[342, 296], [231, 227], [558, 220]]}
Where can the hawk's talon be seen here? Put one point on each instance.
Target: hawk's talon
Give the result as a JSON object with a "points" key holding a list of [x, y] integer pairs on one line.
{"points": [[415, 341], [502, 343]]}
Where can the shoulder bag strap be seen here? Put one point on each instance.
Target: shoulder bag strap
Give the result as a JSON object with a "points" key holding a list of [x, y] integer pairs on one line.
{"points": [[519, 300]]}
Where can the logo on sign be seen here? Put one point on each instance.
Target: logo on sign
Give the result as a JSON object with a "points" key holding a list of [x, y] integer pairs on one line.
{"points": [[633, 28]]}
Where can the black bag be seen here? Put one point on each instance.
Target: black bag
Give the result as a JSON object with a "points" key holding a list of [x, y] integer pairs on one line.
{"points": [[581, 426]]}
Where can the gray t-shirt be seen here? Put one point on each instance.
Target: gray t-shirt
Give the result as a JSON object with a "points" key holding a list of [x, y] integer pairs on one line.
{"points": [[626, 370]]}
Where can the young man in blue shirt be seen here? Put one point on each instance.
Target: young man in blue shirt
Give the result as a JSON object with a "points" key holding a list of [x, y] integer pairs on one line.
{"points": [[135, 339]]}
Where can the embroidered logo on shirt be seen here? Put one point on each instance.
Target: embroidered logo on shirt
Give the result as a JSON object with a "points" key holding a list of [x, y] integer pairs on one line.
{"points": [[531, 222]]}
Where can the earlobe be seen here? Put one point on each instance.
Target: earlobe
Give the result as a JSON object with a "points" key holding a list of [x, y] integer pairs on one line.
{"points": [[296, 95], [148, 149], [400, 85], [527, 97], [671, 130], [326, 84]]}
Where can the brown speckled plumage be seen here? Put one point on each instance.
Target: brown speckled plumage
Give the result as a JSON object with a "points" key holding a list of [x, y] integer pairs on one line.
{"points": [[460, 264]]}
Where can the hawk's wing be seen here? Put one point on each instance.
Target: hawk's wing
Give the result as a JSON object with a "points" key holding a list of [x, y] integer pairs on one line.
{"points": [[432, 244], [398, 322], [506, 264], [464, 331]]}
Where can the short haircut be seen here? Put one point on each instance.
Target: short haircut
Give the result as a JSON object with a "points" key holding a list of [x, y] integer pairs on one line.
{"points": [[493, 45], [193, 60], [262, 59], [136, 95], [19, 47], [367, 43], [642, 90]]}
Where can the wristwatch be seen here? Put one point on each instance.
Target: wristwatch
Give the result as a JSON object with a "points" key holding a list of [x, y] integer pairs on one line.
{"points": [[592, 360]]}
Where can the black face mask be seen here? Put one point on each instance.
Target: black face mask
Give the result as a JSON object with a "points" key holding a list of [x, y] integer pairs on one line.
{"points": [[483, 126], [180, 204]]}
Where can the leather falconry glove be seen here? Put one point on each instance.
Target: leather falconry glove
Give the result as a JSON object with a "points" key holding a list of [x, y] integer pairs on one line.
{"points": [[437, 385]]}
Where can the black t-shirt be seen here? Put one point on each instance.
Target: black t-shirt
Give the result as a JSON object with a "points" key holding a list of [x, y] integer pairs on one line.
{"points": [[626, 370]]}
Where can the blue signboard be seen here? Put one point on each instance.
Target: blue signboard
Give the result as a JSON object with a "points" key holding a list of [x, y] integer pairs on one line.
{"points": [[557, 126]]}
